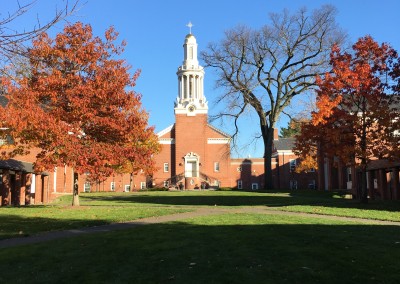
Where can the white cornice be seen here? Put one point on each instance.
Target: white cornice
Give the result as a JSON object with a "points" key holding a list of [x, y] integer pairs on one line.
{"points": [[246, 163], [218, 140], [282, 152], [165, 131], [166, 141]]}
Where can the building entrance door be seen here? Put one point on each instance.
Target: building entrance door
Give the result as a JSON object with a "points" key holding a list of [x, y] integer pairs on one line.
{"points": [[191, 169]]}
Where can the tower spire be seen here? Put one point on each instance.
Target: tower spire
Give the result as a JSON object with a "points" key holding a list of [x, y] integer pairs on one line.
{"points": [[190, 25], [191, 99]]}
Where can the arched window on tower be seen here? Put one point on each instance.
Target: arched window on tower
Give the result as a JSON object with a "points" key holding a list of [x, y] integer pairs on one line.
{"points": [[191, 52]]}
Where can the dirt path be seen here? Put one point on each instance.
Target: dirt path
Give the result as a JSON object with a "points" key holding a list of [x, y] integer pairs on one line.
{"points": [[48, 236]]}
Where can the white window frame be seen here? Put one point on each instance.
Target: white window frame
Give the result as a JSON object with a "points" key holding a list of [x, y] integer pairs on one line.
{"points": [[142, 185], [86, 187], [349, 175], [33, 183], [166, 183], [55, 180], [127, 187], [112, 186], [216, 167], [166, 167], [240, 184], [254, 186], [292, 165]]}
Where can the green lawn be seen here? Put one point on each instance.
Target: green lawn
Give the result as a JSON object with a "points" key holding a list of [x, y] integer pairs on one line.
{"points": [[105, 207], [224, 248]]}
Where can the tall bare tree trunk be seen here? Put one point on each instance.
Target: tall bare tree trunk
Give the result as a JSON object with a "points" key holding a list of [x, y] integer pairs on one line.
{"points": [[364, 190], [75, 191], [268, 179]]}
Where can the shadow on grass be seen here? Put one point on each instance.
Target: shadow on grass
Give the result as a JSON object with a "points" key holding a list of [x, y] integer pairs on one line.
{"points": [[17, 226], [215, 250], [237, 198]]}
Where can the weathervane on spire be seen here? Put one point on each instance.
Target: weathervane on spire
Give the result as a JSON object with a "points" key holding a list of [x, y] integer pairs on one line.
{"points": [[190, 25]]}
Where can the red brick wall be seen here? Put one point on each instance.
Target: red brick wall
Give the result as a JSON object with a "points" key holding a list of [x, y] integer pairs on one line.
{"points": [[191, 135], [248, 171], [283, 175]]}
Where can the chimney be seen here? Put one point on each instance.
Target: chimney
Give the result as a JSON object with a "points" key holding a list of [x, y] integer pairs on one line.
{"points": [[276, 135]]}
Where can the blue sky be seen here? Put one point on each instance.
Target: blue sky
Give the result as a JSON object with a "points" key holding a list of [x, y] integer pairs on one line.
{"points": [[155, 30]]}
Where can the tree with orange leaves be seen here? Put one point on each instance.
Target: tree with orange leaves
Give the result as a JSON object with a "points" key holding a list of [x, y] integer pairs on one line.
{"points": [[357, 107], [78, 106]]}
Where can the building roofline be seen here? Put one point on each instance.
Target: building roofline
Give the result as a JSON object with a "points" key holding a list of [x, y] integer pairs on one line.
{"points": [[218, 130], [166, 130]]}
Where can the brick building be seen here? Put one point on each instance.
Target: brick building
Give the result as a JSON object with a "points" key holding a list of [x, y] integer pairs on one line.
{"points": [[197, 154], [21, 185], [194, 154], [284, 173]]}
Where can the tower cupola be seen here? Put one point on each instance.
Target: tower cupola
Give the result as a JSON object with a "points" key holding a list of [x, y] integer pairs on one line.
{"points": [[191, 99]]}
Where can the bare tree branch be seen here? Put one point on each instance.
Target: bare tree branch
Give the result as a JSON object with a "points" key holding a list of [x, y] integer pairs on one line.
{"points": [[271, 66], [12, 41]]}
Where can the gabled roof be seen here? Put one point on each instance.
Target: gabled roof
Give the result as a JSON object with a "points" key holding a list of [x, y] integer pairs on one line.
{"points": [[284, 144], [166, 130], [219, 131], [16, 165]]}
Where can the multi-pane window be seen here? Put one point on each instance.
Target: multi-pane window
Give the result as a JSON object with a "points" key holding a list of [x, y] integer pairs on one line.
{"points": [[254, 186], [6, 140], [348, 174], [216, 166], [166, 167], [166, 183], [127, 187], [293, 184], [142, 185], [86, 187], [292, 164], [112, 186], [239, 184]]}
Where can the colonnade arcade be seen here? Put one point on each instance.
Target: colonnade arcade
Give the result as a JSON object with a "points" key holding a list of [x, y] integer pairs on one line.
{"points": [[190, 86]]}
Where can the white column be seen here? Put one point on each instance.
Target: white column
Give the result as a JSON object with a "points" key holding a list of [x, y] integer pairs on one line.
{"points": [[190, 86], [33, 183], [197, 86], [179, 87], [182, 87], [55, 180], [185, 83], [201, 88]]}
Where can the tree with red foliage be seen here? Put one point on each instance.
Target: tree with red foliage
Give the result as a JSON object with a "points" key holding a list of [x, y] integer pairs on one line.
{"points": [[356, 108], [78, 106]]}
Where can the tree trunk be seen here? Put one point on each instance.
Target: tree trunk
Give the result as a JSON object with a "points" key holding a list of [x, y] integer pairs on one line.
{"points": [[75, 191], [364, 189], [131, 182], [268, 179]]}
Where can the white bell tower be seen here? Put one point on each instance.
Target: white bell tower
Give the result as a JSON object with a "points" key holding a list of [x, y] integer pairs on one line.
{"points": [[191, 99]]}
